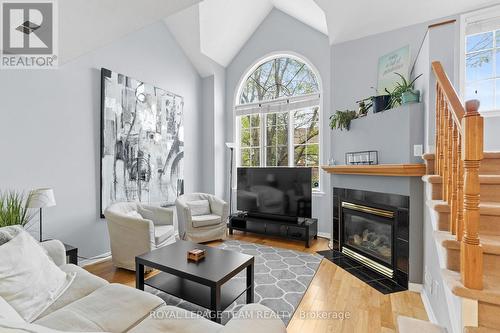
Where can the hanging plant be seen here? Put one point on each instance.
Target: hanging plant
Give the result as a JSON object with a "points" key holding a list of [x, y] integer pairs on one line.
{"points": [[342, 119]]}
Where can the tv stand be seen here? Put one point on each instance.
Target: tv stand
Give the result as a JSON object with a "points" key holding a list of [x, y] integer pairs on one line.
{"points": [[305, 230]]}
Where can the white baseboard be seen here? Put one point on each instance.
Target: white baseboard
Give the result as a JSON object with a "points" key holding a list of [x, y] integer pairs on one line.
{"points": [[324, 235], [416, 287], [94, 260], [428, 307]]}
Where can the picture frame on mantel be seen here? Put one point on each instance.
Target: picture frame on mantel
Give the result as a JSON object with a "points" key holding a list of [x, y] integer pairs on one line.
{"points": [[397, 61]]}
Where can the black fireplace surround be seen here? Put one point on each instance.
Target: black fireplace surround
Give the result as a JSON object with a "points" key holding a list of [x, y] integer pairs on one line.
{"points": [[371, 236]]}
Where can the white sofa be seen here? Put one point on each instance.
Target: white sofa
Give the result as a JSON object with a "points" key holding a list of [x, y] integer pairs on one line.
{"points": [[135, 228], [91, 304], [201, 223]]}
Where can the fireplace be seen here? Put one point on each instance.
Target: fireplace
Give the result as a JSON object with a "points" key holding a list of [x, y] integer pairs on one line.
{"points": [[371, 231]]}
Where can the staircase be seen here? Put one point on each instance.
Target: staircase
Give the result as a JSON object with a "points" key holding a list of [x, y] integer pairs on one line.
{"points": [[463, 187]]}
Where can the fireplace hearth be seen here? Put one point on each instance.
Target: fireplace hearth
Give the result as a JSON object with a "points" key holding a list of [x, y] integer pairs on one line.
{"points": [[371, 237]]}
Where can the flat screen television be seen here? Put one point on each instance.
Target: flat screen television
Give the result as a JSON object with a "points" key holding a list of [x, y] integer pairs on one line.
{"points": [[278, 191]]}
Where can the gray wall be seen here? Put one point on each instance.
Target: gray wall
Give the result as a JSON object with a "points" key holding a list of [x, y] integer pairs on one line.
{"points": [[51, 120], [282, 33]]}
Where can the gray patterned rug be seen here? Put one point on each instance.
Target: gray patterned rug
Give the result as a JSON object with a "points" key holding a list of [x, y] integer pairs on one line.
{"points": [[281, 279]]}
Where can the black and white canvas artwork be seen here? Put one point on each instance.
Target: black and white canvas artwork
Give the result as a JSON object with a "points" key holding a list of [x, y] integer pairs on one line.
{"points": [[142, 141]]}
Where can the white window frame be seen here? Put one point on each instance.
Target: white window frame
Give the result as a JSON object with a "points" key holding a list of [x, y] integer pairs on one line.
{"points": [[465, 19]]}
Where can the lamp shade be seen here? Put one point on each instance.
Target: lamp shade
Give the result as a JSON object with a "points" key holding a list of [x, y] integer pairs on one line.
{"points": [[41, 198], [230, 145]]}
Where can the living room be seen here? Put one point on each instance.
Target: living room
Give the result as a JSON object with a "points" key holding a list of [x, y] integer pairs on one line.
{"points": [[236, 165]]}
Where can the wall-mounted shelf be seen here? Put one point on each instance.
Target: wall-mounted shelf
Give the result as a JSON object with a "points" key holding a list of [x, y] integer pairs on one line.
{"points": [[401, 170]]}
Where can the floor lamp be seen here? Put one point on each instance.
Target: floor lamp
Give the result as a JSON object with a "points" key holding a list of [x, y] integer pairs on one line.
{"points": [[230, 145], [41, 198]]}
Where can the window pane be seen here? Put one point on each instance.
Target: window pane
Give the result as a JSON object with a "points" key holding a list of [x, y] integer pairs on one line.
{"points": [[276, 78], [255, 120], [255, 156], [483, 91], [497, 37], [245, 138], [479, 66], [312, 155], [245, 122], [479, 42], [270, 156], [282, 156], [497, 96], [255, 137], [300, 155], [245, 157]]}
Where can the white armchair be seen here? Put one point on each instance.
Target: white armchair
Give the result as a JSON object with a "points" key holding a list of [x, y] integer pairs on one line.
{"points": [[135, 228], [201, 217]]}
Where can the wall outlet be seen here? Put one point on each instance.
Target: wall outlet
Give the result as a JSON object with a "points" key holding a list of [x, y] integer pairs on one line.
{"points": [[418, 150]]}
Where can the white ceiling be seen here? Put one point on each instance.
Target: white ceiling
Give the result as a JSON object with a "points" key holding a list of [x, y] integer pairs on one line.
{"points": [[348, 20], [85, 25], [215, 30]]}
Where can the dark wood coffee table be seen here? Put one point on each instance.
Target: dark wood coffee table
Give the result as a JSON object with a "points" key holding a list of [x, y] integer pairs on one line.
{"points": [[206, 283]]}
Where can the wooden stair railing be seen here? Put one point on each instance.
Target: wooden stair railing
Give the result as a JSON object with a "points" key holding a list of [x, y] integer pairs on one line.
{"points": [[459, 151]]}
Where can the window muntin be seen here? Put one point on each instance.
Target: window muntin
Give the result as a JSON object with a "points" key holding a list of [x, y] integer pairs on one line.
{"points": [[250, 140]]}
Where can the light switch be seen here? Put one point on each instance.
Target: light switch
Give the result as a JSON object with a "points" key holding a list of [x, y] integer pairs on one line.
{"points": [[418, 150]]}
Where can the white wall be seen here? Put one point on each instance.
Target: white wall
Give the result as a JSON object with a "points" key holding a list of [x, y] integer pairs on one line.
{"points": [[50, 125], [282, 33]]}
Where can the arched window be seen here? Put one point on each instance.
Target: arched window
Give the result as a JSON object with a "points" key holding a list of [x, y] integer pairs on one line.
{"points": [[278, 116]]}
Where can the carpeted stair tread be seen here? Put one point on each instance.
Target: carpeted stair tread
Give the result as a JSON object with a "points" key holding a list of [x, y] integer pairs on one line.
{"points": [[489, 294], [480, 329], [490, 243], [485, 208], [483, 179]]}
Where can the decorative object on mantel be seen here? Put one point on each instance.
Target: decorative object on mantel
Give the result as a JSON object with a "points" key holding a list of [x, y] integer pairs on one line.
{"points": [[368, 157], [41, 198], [342, 119], [142, 141], [397, 170], [13, 209]]}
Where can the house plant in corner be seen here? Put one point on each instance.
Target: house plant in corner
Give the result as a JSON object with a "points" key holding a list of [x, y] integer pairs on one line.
{"points": [[13, 209]]}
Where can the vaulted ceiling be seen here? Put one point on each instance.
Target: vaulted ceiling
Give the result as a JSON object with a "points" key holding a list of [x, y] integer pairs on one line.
{"points": [[213, 31]]}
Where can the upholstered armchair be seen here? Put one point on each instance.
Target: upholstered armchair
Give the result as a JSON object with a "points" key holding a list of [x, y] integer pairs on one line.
{"points": [[201, 217], [135, 228]]}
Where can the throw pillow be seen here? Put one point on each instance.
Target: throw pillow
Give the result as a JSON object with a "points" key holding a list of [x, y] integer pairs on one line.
{"points": [[29, 280], [199, 207], [7, 233]]}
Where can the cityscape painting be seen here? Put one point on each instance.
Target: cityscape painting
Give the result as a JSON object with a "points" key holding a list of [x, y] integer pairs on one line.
{"points": [[142, 142]]}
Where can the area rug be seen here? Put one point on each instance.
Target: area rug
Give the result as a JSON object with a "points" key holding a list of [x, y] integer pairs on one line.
{"points": [[281, 278]]}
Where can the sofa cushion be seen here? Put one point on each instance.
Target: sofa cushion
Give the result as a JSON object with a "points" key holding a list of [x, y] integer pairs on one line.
{"points": [[172, 319], [199, 207], [206, 220], [7, 312], [113, 308], [24, 327], [29, 280], [84, 284], [162, 233]]}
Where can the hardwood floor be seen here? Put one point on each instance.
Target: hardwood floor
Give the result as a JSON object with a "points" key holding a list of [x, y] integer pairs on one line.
{"points": [[333, 293]]}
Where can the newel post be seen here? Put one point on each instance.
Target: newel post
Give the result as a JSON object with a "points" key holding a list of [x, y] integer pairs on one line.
{"points": [[471, 254]]}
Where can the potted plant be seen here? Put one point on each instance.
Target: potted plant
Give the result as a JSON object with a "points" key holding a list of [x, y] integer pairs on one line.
{"points": [[13, 209], [342, 119], [363, 106], [381, 101], [404, 92]]}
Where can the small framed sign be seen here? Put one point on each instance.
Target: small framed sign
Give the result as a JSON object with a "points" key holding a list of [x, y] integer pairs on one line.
{"points": [[397, 61]]}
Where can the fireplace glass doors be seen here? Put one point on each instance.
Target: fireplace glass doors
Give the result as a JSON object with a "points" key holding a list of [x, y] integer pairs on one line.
{"points": [[369, 232]]}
